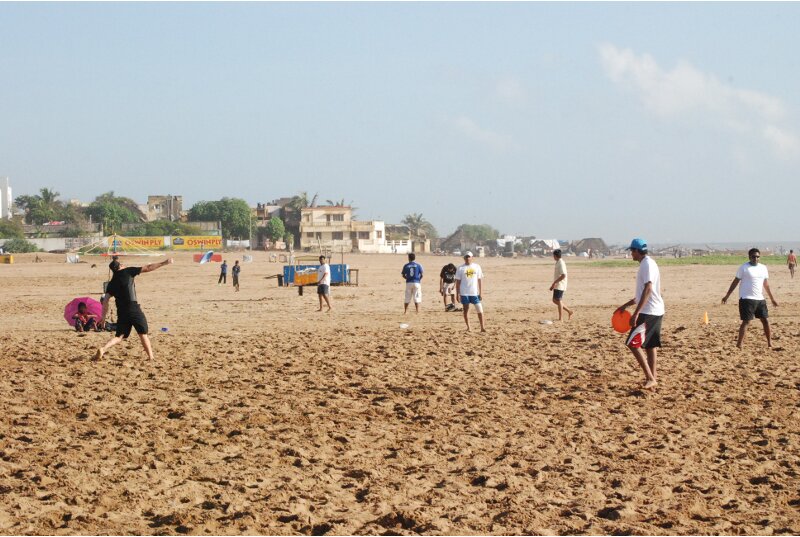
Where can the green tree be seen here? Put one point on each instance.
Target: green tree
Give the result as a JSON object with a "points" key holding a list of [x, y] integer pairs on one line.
{"points": [[419, 227], [162, 228], [478, 233], [301, 201], [19, 246], [289, 239], [275, 228], [11, 229], [233, 213], [42, 207], [112, 211]]}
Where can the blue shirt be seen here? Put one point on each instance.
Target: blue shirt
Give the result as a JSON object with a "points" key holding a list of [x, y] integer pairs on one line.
{"points": [[412, 272]]}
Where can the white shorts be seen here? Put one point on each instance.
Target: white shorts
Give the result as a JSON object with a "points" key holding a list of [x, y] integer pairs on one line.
{"points": [[413, 291], [449, 288]]}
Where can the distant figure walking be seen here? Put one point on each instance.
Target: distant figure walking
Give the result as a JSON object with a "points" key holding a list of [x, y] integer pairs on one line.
{"points": [[324, 283], [447, 286], [412, 272], [649, 312], [755, 280], [237, 268], [791, 261], [129, 314], [469, 286], [223, 273], [559, 285]]}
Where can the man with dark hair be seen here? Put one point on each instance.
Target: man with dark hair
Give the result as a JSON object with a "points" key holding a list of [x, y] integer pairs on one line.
{"points": [[559, 285], [412, 273], [223, 273], [646, 318], [237, 268], [791, 260], [129, 314], [469, 286], [447, 286], [324, 283], [755, 280]]}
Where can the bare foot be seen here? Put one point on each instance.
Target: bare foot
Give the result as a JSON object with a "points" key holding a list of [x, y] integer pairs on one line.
{"points": [[319, 309], [569, 315], [483, 330], [99, 354], [650, 384]]}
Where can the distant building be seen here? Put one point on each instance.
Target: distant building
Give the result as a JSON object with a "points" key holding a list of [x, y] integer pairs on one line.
{"points": [[163, 208], [332, 227], [6, 200]]}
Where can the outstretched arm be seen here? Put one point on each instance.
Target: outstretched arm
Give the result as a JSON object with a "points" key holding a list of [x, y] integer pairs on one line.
{"points": [[734, 283], [153, 266]]}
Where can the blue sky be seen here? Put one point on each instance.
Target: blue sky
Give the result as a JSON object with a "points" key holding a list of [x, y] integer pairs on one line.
{"points": [[672, 121]]}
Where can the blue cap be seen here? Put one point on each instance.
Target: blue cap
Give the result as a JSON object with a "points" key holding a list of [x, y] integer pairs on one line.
{"points": [[637, 244]]}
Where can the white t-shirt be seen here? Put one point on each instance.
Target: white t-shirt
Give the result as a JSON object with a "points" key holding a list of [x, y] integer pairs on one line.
{"points": [[752, 284], [561, 268], [648, 272], [324, 272], [469, 275]]}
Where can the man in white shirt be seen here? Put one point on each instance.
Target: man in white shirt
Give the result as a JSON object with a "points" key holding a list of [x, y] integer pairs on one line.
{"points": [[559, 285], [649, 312], [755, 279], [324, 283], [469, 286]]}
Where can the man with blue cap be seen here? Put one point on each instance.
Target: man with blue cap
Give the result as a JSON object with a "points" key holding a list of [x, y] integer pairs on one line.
{"points": [[646, 318]]}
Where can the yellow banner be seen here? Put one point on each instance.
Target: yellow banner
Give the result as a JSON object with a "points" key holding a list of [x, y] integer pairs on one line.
{"points": [[209, 242], [136, 243]]}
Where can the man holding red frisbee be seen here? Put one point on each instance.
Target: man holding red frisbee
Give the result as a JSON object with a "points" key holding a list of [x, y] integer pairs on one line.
{"points": [[646, 318]]}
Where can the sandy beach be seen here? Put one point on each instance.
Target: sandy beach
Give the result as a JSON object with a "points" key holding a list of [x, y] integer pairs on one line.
{"points": [[260, 415]]}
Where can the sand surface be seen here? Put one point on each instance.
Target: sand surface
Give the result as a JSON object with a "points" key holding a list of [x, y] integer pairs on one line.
{"points": [[260, 415]]}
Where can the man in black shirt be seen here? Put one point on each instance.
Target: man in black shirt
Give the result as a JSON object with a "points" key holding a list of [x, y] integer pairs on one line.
{"points": [[447, 286], [129, 314]]}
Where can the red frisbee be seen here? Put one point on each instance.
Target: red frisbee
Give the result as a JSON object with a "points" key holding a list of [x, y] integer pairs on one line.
{"points": [[621, 321]]}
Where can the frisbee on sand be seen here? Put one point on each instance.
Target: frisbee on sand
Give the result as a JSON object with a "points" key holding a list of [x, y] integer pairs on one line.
{"points": [[621, 321]]}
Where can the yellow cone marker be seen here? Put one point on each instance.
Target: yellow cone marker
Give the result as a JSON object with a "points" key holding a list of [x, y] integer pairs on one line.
{"points": [[705, 318]]}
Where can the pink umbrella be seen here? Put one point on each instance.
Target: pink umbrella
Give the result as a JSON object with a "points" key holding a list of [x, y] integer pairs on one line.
{"points": [[92, 306]]}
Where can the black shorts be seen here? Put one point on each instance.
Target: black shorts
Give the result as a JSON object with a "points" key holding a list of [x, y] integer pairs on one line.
{"points": [[750, 308], [132, 317], [323, 289], [558, 294], [652, 333], [236, 280]]}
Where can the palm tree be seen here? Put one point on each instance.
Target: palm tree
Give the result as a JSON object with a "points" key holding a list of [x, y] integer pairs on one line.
{"points": [[301, 201], [418, 226]]}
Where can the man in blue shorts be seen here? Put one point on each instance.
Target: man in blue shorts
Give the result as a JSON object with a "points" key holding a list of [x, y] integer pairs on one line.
{"points": [[752, 305], [649, 312], [469, 286]]}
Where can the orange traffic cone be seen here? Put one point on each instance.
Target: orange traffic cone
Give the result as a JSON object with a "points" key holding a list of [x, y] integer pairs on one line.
{"points": [[705, 318]]}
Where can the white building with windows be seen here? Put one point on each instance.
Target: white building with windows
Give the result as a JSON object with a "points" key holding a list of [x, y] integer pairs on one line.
{"points": [[332, 227], [6, 199]]}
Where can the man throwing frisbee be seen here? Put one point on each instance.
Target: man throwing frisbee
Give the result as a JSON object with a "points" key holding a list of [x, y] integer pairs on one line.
{"points": [[129, 314], [646, 318]]}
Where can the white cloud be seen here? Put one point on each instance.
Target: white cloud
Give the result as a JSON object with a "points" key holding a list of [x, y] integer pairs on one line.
{"points": [[687, 91], [510, 90], [491, 139]]}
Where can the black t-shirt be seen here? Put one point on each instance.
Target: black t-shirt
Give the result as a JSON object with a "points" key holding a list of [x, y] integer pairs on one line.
{"points": [[448, 273], [123, 288]]}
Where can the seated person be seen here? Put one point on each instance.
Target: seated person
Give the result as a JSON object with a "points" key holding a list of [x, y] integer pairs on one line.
{"points": [[85, 321]]}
